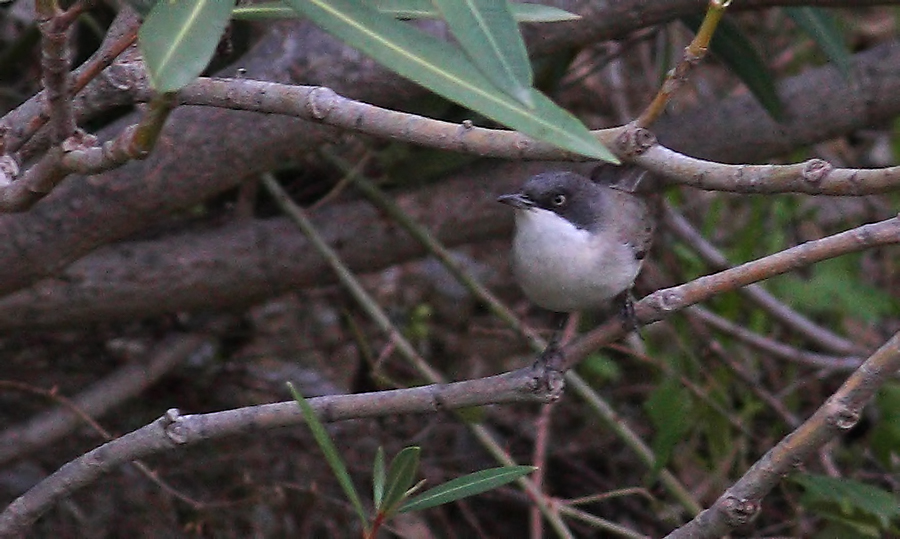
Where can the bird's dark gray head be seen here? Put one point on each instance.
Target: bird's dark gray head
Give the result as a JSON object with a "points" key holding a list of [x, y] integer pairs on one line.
{"points": [[569, 195]]}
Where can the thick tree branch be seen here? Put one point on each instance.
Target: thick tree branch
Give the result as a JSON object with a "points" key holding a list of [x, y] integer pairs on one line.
{"points": [[246, 262]]}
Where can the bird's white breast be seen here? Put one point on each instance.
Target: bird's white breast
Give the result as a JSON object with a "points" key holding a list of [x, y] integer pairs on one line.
{"points": [[563, 268]]}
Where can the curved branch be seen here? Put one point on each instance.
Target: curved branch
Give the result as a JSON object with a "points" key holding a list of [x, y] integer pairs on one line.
{"points": [[630, 143], [742, 501], [819, 335], [662, 303], [173, 431]]}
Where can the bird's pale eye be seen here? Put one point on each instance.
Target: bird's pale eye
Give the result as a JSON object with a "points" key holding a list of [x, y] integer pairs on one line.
{"points": [[559, 200]]}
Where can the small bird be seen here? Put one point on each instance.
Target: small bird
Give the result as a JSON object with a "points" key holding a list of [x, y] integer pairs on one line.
{"points": [[580, 242]]}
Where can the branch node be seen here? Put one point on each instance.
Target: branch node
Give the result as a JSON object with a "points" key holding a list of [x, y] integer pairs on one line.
{"points": [[548, 382], [9, 170], [173, 424], [739, 511], [634, 140], [843, 418], [670, 300], [321, 102], [815, 170], [80, 140]]}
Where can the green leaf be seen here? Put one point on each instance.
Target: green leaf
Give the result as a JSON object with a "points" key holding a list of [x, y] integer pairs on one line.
{"points": [[467, 485], [824, 29], [830, 289], [487, 32], [331, 454], [378, 478], [405, 9], [599, 369], [733, 48], [886, 433], [854, 500], [179, 38], [669, 408], [263, 11], [400, 477], [525, 12], [444, 69]]}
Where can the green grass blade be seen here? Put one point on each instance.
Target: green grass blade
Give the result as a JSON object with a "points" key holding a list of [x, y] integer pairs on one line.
{"points": [[179, 38], [400, 477], [467, 485], [378, 479], [486, 30], [444, 69], [331, 454], [824, 29]]}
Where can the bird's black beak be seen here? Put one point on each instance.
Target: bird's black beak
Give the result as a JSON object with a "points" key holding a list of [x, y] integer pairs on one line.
{"points": [[516, 200]]}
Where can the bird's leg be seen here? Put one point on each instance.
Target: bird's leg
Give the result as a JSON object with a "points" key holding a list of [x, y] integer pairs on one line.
{"points": [[625, 301], [552, 357]]}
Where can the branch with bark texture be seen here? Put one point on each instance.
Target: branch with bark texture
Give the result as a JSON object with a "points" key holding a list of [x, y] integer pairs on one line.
{"points": [[47, 239], [174, 431], [741, 502], [630, 143], [661, 303], [518, 386]]}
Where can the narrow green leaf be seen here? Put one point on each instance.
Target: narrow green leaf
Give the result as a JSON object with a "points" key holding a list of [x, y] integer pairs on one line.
{"points": [[885, 439], [669, 408], [733, 48], [444, 69], [179, 38], [487, 32], [467, 485], [824, 29], [378, 479], [405, 9], [400, 477], [263, 11], [525, 12], [849, 497], [331, 454]]}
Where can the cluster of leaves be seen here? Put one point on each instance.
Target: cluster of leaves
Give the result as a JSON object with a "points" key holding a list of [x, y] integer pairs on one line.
{"points": [[489, 72], [394, 487]]}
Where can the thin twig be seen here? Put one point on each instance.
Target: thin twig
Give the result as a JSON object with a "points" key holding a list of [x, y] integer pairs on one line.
{"points": [[97, 400], [775, 348], [55, 57], [404, 346], [817, 334], [693, 54], [583, 389], [662, 303]]}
